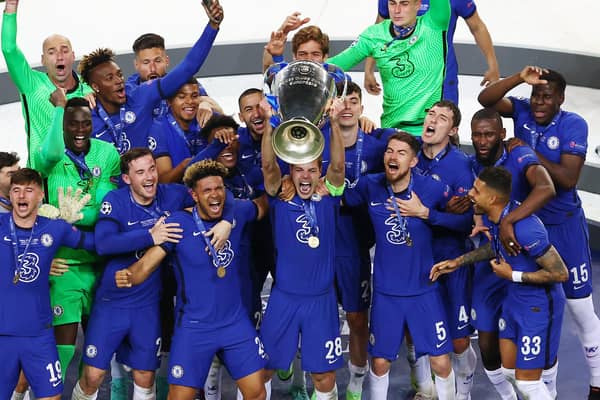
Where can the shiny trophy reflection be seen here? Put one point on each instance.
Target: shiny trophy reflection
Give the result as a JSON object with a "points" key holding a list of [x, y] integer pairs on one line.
{"points": [[303, 90]]}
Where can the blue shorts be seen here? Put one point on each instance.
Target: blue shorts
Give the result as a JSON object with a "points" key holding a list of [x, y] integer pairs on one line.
{"points": [[456, 291], [487, 299], [311, 320], [572, 241], [353, 283], [133, 333], [534, 328], [423, 316], [192, 351], [38, 358]]}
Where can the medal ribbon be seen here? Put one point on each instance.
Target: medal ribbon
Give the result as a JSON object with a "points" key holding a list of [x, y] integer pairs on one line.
{"points": [[433, 162], [6, 202], [496, 232], [403, 221], [202, 229], [311, 215], [357, 166], [173, 122], [115, 133], [153, 210], [79, 161]]}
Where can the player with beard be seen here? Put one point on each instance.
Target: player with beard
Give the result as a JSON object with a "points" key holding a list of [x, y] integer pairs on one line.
{"points": [[302, 304], [123, 118], [532, 187], [151, 62], [29, 245], [533, 308], [69, 158], [363, 155], [176, 134], [559, 139], [35, 86], [210, 315], [9, 164], [405, 295]]}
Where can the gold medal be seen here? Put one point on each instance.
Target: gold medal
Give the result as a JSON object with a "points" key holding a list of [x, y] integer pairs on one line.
{"points": [[313, 242], [221, 272], [409, 241], [16, 278]]}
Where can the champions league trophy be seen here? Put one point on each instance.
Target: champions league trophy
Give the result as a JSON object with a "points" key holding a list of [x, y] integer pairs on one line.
{"points": [[302, 90]]}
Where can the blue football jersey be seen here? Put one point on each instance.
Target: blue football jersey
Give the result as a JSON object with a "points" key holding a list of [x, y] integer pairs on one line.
{"points": [[532, 235], [205, 300], [128, 127], [302, 269], [566, 134], [122, 231], [452, 167], [167, 138], [25, 305], [403, 252]]}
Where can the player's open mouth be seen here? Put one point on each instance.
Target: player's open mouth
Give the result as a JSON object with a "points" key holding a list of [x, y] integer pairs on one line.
{"points": [[214, 206], [304, 187], [60, 68], [120, 92], [258, 123], [152, 76], [392, 166], [346, 115], [22, 206], [190, 111], [149, 186], [227, 156]]}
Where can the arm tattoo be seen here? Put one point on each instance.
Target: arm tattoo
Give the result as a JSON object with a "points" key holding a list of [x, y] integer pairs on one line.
{"points": [[553, 269], [482, 253]]}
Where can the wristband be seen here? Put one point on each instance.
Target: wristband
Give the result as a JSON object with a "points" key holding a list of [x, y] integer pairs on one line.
{"points": [[277, 59], [517, 276], [334, 190]]}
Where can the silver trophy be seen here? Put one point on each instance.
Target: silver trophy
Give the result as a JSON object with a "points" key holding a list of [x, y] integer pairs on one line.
{"points": [[303, 90]]}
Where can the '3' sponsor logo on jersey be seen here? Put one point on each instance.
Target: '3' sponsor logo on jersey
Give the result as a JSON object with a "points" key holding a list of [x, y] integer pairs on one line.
{"points": [[397, 234], [303, 233]]}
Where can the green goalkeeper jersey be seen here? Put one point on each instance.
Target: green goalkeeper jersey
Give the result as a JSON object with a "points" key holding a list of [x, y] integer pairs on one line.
{"points": [[412, 69], [34, 87], [102, 160]]}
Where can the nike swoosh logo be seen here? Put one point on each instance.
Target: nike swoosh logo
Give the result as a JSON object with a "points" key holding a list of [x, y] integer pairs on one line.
{"points": [[100, 134], [574, 287], [375, 204], [197, 233], [462, 326], [245, 156], [55, 384], [6, 238], [437, 346], [129, 223], [332, 361], [529, 358]]}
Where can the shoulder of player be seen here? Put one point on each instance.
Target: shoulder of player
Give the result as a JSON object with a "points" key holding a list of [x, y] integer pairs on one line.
{"points": [[530, 229], [101, 146], [117, 198], [519, 154], [426, 187]]}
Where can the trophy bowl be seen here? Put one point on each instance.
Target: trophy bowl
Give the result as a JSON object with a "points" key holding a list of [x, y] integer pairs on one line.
{"points": [[303, 90]]}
